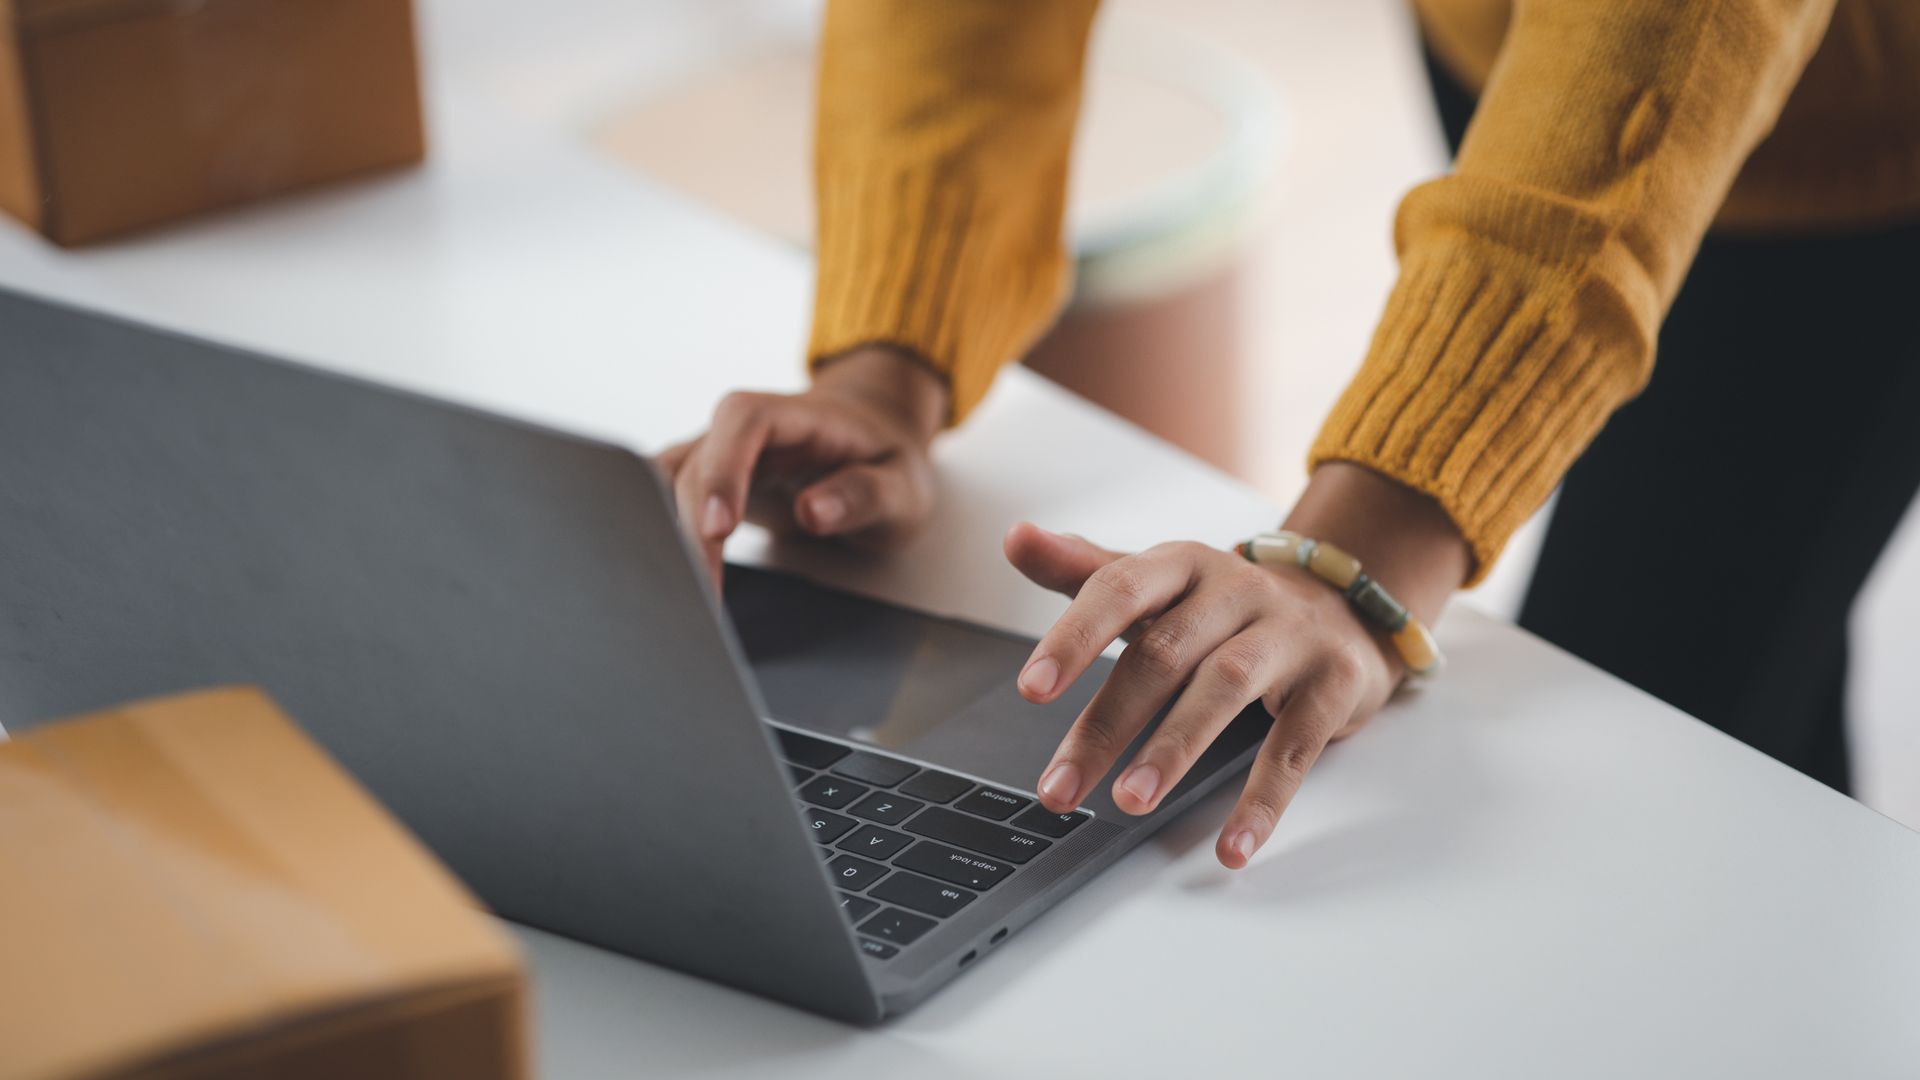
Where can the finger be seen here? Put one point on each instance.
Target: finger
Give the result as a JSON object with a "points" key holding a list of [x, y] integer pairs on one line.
{"points": [[1233, 676], [745, 425], [1053, 560], [1061, 562], [672, 462], [1317, 707], [673, 457], [1113, 598], [686, 487], [1150, 672], [713, 482], [856, 498]]}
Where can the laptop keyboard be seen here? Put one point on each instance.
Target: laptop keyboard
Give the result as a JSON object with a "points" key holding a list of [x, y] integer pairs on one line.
{"points": [[909, 846]]}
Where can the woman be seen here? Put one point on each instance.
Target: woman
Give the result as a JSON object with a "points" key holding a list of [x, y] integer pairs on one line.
{"points": [[1708, 547]]}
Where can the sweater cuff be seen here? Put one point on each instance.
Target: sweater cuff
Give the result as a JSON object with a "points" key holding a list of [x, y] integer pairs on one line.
{"points": [[913, 257], [1481, 386]]}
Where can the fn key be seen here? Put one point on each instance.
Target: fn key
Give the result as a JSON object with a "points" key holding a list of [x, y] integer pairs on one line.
{"points": [[1042, 820]]}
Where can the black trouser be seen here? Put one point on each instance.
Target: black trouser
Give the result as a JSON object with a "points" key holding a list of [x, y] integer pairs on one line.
{"points": [[1708, 547]]}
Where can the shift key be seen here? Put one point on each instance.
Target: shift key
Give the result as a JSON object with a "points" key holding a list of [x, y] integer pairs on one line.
{"points": [[985, 837]]}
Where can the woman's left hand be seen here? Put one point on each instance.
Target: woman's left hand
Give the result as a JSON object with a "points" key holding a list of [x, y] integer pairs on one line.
{"points": [[1221, 633]]}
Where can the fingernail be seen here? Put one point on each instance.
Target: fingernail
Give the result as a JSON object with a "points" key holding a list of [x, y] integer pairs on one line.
{"points": [[827, 511], [1141, 783], [1244, 844], [1040, 676], [1061, 783], [717, 519]]}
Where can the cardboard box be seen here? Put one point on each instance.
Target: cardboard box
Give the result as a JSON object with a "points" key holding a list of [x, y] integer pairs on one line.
{"points": [[117, 114], [190, 888]]}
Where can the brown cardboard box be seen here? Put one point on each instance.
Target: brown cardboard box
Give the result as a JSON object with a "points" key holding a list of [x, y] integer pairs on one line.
{"points": [[190, 888], [115, 114]]}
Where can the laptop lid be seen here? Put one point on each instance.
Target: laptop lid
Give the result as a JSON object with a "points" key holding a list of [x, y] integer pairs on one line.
{"points": [[496, 628]]}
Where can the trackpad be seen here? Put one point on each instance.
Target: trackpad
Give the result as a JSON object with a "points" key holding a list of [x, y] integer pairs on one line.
{"points": [[915, 684]]}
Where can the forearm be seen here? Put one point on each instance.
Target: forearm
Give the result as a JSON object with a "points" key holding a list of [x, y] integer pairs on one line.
{"points": [[941, 150], [1534, 279]]}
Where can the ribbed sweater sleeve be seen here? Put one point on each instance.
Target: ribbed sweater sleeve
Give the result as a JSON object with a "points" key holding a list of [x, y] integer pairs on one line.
{"points": [[1534, 278], [940, 169]]}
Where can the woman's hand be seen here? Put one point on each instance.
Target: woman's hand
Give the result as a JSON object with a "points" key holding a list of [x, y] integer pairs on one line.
{"points": [[1222, 633], [846, 458]]}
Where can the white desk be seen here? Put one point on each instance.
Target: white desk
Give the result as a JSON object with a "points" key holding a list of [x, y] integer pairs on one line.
{"points": [[1528, 870]]}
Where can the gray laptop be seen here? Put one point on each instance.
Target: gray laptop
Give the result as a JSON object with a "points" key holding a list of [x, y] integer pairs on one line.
{"points": [[501, 632]]}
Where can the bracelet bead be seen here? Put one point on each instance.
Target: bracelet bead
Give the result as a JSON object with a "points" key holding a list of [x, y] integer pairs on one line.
{"points": [[1410, 638], [1417, 648], [1334, 566], [1271, 549], [1373, 601]]}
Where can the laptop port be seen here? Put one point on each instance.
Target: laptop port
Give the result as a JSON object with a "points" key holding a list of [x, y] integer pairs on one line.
{"points": [[999, 936]]}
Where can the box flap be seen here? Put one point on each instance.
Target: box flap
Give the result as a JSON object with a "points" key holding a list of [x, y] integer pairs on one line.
{"points": [[194, 869]]}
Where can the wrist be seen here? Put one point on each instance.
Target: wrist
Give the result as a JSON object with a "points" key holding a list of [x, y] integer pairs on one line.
{"points": [[1401, 536], [899, 381]]}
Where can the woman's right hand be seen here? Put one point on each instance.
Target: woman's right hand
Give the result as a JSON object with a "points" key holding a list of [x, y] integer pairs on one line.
{"points": [[846, 458]]}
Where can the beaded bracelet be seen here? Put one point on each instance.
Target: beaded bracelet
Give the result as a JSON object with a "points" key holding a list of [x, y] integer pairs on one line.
{"points": [[1342, 571]]}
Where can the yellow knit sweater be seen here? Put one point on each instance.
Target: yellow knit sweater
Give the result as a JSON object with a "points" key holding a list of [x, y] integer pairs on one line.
{"points": [[1533, 278]]}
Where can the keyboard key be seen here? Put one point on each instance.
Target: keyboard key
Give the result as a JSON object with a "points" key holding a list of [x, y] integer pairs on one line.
{"points": [[1042, 820], [807, 750], [828, 827], [989, 803], [874, 769], [935, 786], [899, 927], [800, 772], [853, 873], [876, 843], [879, 950], [922, 894], [857, 907], [886, 809], [954, 865], [831, 791], [997, 841]]}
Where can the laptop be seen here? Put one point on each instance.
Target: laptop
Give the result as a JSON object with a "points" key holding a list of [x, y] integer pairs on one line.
{"points": [[499, 629]]}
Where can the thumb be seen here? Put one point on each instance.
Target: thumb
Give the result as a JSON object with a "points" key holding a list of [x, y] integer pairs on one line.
{"points": [[1053, 560], [861, 497]]}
